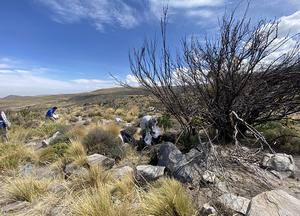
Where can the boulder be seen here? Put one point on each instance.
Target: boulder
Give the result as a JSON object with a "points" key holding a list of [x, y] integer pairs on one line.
{"points": [[274, 202], [46, 142], [235, 203], [100, 160], [171, 157], [279, 162], [208, 210], [121, 172], [149, 172]]}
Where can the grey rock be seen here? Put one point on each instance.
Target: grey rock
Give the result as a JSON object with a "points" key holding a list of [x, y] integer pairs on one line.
{"points": [[149, 172], [121, 172], [279, 162], [236, 203], [30, 169], [208, 210], [222, 187], [100, 160], [75, 170], [15, 206], [209, 177], [192, 154], [275, 202], [57, 188], [171, 157], [26, 170]]}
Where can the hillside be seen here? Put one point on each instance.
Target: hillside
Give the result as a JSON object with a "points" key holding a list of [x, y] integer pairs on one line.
{"points": [[18, 102]]}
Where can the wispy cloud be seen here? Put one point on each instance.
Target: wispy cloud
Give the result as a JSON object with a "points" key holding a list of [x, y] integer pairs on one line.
{"points": [[99, 12], [22, 79]]}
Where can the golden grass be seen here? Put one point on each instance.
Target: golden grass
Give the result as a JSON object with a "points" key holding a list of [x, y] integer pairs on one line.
{"points": [[167, 198], [76, 153], [112, 128], [26, 189], [94, 202], [95, 177], [77, 132], [11, 155]]}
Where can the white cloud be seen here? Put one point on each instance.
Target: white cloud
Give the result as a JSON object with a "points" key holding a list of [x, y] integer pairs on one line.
{"points": [[99, 12], [132, 81], [19, 79], [189, 6], [290, 24], [201, 13]]}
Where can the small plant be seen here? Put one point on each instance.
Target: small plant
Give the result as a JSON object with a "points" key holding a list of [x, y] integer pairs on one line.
{"points": [[165, 121], [103, 142], [26, 189], [52, 153], [168, 198]]}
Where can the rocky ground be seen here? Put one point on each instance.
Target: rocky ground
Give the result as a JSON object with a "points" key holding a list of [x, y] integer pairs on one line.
{"points": [[47, 169]]}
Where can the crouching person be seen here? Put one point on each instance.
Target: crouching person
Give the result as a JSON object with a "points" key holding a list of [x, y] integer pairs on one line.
{"points": [[51, 115], [4, 125], [151, 133]]}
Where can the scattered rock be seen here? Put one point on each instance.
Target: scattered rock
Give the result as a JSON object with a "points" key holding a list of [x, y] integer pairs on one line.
{"points": [[222, 187], [121, 172], [57, 188], [30, 169], [208, 210], [74, 170], [15, 206], [175, 162], [149, 172], [193, 153], [46, 142], [100, 160], [275, 202], [279, 162], [209, 177], [236, 203]]}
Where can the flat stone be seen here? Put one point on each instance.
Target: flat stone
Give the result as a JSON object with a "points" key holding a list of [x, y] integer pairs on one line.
{"points": [[236, 203], [274, 202], [149, 172], [100, 160]]}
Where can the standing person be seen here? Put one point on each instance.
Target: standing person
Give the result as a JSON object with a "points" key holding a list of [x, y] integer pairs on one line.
{"points": [[4, 125], [50, 115]]}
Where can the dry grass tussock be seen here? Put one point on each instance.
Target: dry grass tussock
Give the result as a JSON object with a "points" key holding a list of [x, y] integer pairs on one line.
{"points": [[76, 153], [95, 177], [26, 189], [95, 202], [11, 155], [167, 198]]}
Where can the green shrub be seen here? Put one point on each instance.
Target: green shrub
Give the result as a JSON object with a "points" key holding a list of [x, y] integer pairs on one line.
{"points": [[53, 153], [165, 121], [103, 142], [282, 136]]}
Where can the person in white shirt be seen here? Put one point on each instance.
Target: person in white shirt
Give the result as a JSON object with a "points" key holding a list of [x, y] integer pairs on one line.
{"points": [[4, 125]]}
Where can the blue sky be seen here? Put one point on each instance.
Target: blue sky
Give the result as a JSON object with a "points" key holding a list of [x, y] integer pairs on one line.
{"points": [[64, 46]]}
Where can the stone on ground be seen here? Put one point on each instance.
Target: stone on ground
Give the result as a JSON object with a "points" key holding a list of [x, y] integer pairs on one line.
{"points": [[274, 202], [236, 203], [100, 160], [149, 172]]}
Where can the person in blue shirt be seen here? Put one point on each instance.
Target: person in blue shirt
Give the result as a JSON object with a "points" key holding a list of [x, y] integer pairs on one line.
{"points": [[50, 115]]}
